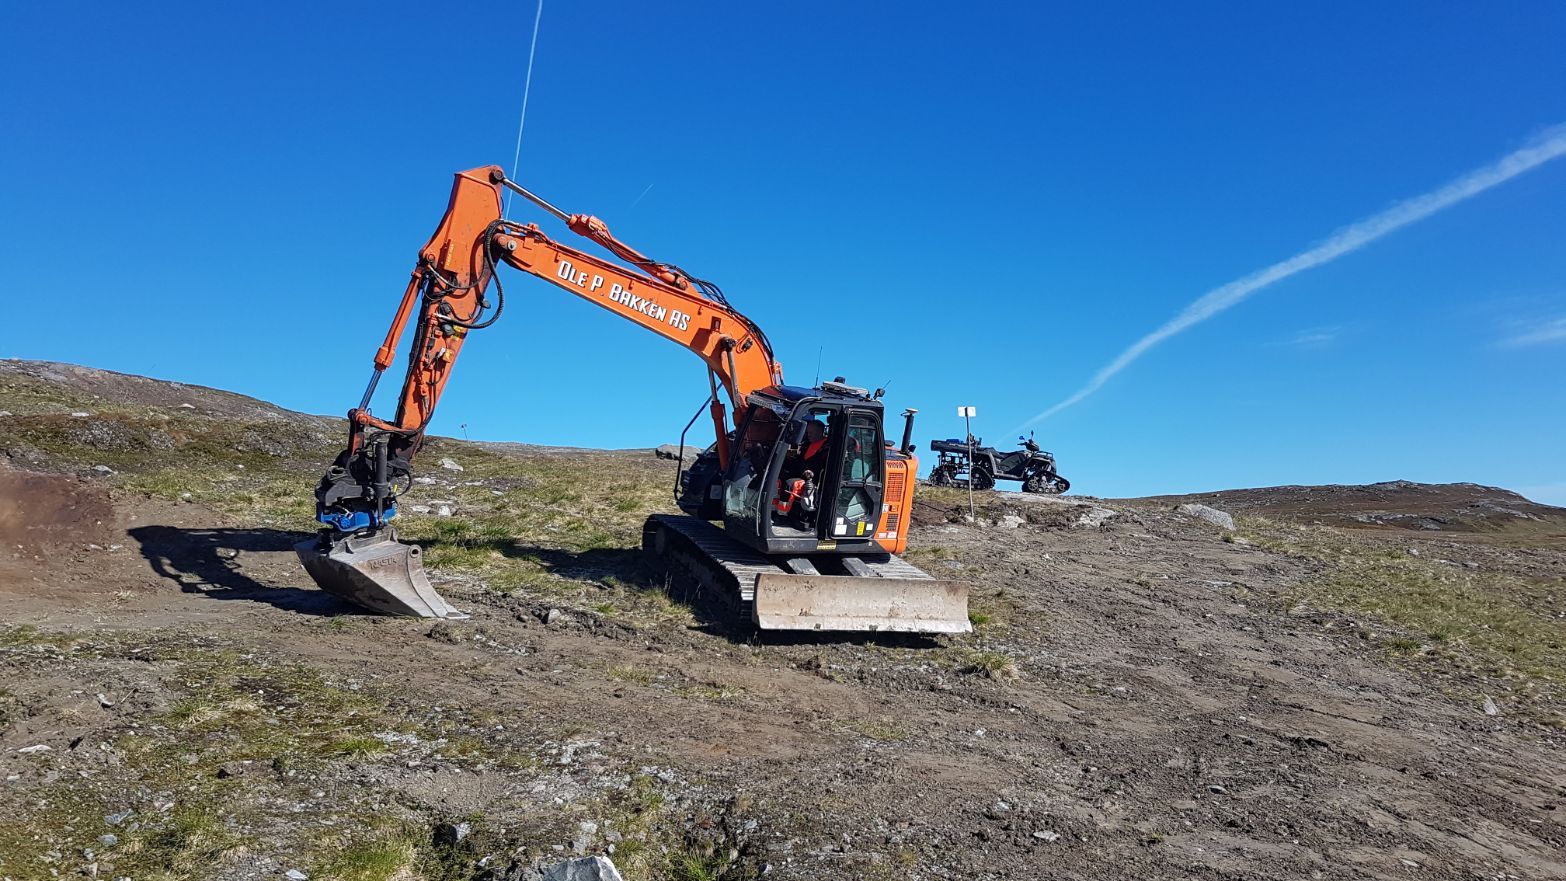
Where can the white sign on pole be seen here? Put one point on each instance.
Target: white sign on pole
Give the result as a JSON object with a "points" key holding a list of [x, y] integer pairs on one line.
{"points": [[968, 411]]}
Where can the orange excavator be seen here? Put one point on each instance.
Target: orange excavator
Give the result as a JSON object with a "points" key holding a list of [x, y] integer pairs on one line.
{"points": [[812, 499]]}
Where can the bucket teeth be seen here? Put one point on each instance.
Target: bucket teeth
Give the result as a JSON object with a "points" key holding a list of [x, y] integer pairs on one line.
{"points": [[381, 574]]}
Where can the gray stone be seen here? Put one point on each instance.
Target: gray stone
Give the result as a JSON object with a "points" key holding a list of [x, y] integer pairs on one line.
{"points": [[451, 833], [1214, 516], [1046, 835], [108, 839], [450, 464], [1010, 521], [672, 451], [1094, 517], [296, 875], [584, 869]]}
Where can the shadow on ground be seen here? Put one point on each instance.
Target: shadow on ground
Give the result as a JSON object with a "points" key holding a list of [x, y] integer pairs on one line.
{"points": [[632, 568], [211, 562]]}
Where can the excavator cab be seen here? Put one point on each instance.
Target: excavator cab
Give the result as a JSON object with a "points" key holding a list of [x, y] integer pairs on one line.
{"points": [[782, 497]]}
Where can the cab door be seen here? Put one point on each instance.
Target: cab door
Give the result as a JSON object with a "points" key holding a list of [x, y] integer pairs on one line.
{"points": [[855, 501]]}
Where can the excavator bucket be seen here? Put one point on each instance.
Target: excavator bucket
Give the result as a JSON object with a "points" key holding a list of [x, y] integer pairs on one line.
{"points": [[381, 574], [785, 601]]}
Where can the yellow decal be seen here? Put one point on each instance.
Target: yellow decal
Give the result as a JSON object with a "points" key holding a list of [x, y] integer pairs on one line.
{"points": [[826, 545]]}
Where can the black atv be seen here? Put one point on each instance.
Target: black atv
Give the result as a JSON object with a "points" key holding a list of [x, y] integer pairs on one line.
{"points": [[1031, 465]]}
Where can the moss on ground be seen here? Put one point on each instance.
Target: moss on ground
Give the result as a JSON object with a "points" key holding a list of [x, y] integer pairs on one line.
{"points": [[1464, 623]]}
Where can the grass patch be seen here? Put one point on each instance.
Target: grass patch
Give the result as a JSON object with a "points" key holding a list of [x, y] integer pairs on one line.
{"points": [[1469, 622], [880, 730], [384, 854], [356, 747], [632, 674], [989, 664]]}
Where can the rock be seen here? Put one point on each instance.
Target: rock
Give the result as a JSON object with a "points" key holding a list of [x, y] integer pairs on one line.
{"points": [[443, 511], [4, 413], [584, 869], [586, 832], [230, 770], [117, 819], [1490, 709], [103, 469], [1094, 517], [35, 748], [554, 616], [1216, 789], [108, 839], [424, 481], [296, 875], [419, 509], [187, 406], [80, 415], [450, 464], [1214, 516], [1010, 521], [1046, 835], [451, 833], [103, 701], [672, 451]]}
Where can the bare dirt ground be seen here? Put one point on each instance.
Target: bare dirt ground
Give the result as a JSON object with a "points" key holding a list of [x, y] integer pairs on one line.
{"points": [[1146, 695]]}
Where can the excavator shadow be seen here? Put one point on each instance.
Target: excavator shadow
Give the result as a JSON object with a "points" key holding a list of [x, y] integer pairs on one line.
{"points": [[632, 569], [627, 568], [213, 563]]}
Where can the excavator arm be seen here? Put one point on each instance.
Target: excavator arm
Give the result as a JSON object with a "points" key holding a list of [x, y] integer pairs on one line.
{"points": [[446, 299]]}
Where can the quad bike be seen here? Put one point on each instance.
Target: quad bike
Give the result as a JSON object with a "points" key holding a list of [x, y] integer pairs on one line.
{"points": [[963, 462]]}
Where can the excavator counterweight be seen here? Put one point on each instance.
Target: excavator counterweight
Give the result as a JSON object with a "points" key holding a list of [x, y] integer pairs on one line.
{"points": [[813, 500]]}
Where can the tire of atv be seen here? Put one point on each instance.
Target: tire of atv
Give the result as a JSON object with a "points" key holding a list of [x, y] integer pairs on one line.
{"points": [[942, 477], [981, 479], [1046, 483]]}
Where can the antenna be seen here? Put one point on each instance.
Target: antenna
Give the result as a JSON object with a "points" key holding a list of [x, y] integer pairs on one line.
{"points": [[527, 87], [819, 350]]}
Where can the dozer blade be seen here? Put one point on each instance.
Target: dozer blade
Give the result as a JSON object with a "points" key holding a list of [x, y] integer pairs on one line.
{"points": [[381, 574], [845, 602]]}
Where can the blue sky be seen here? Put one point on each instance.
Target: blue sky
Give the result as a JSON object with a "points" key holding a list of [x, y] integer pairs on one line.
{"points": [[981, 204]]}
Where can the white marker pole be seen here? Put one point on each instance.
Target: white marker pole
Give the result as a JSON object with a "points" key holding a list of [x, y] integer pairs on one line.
{"points": [[967, 414]]}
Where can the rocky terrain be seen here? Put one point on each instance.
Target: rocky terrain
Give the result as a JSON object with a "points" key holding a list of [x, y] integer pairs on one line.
{"points": [[1333, 688]]}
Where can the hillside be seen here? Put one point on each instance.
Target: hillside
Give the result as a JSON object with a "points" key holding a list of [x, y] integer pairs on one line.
{"points": [[1146, 694], [1453, 508]]}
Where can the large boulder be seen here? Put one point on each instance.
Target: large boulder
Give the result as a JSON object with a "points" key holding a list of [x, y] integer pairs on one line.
{"points": [[1220, 519], [672, 451]]}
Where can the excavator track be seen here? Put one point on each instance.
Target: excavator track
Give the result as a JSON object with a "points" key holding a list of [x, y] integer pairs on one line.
{"points": [[890, 594]]}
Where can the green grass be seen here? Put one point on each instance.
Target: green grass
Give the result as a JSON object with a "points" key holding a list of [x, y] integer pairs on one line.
{"points": [[989, 664], [231, 712], [375, 851], [880, 730], [1461, 622]]}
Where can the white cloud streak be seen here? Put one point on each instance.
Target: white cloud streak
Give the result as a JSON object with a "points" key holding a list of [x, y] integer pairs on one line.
{"points": [[1547, 332], [1550, 145]]}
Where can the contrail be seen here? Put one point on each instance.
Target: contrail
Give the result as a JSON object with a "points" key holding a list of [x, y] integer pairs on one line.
{"points": [[1549, 145]]}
